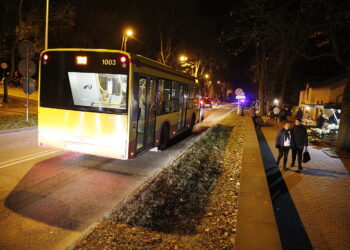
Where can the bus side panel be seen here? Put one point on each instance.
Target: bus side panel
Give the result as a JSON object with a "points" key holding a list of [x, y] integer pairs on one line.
{"points": [[85, 132], [133, 95], [172, 120]]}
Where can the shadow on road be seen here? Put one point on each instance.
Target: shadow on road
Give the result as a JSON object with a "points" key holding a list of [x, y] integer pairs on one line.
{"points": [[290, 226], [73, 190], [61, 193]]}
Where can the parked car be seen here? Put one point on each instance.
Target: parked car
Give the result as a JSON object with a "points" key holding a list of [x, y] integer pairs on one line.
{"points": [[206, 103]]}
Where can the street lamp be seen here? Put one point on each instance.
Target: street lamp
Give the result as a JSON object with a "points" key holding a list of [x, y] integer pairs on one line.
{"points": [[47, 25], [183, 58], [206, 76], [127, 33]]}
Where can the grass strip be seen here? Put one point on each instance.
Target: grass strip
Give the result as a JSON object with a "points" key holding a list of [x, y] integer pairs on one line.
{"points": [[17, 121]]}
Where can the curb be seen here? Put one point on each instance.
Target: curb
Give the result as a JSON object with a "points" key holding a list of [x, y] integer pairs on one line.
{"points": [[256, 223], [10, 131]]}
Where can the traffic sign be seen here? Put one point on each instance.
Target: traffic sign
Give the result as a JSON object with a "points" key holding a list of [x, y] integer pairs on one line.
{"points": [[4, 65], [28, 87], [239, 91], [22, 67], [26, 48]]}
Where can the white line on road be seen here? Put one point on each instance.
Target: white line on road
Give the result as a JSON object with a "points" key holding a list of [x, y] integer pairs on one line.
{"points": [[27, 158]]}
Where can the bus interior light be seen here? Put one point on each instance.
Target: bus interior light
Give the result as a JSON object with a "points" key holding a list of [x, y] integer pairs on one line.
{"points": [[81, 60]]}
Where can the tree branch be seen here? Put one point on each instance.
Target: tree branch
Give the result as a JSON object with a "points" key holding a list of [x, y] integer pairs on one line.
{"points": [[311, 58]]}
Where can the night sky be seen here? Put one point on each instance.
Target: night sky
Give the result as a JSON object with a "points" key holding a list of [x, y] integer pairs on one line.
{"points": [[197, 25]]}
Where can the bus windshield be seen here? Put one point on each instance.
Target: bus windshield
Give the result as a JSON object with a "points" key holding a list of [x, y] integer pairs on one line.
{"points": [[85, 81]]}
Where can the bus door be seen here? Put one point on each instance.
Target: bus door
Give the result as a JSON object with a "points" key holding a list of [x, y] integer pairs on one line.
{"points": [[146, 113], [182, 108], [184, 115]]}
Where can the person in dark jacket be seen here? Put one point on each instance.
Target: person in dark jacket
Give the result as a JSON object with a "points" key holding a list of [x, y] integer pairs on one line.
{"points": [[299, 136], [320, 120], [284, 142], [283, 114], [299, 114]]}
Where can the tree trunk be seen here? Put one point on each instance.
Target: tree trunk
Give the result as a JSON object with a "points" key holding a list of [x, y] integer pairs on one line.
{"points": [[343, 143]]}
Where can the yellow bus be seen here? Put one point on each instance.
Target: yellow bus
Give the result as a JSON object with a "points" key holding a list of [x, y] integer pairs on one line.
{"points": [[112, 103]]}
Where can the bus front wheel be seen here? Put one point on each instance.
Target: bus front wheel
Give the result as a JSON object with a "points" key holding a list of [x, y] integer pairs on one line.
{"points": [[164, 137]]}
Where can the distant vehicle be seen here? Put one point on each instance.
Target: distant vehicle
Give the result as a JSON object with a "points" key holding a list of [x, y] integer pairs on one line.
{"points": [[111, 103], [206, 103], [214, 102]]}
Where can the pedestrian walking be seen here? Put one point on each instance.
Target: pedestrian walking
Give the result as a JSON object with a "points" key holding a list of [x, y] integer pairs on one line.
{"points": [[283, 115], [299, 114], [253, 114], [320, 120], [299, 134], [284, 142], [276, 112]]}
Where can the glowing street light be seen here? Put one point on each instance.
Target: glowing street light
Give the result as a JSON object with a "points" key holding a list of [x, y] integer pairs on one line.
{"points": [[127, 33], [206, 76], [183, 58], [276, 101]]}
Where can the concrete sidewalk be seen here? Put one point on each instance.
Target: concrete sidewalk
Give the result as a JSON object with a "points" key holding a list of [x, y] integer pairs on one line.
{"points": [[256, 224], [312, 208]]}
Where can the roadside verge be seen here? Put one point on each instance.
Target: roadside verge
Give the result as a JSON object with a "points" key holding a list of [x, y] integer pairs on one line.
{"points": [[190, 204], [256, 224]]}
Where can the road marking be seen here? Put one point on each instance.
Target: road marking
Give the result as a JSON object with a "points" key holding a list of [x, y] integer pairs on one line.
{"points": [[27, 158]]}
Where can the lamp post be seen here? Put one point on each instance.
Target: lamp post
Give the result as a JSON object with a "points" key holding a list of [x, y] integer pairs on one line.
{"points": [[127, 33], [47, 25]]}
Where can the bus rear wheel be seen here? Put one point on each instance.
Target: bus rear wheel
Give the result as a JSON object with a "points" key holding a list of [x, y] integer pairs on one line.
{"points": [[193, 122], [164, 137]]}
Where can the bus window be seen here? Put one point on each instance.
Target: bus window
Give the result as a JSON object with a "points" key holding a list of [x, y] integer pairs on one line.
{"points": [[196, 97], [175, 97], [93, 87], [142, 113], [167, 96], [160, 97], [191, 92]]}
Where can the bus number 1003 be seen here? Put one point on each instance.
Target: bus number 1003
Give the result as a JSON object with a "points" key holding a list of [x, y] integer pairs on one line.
{"points": [[109, 62]]}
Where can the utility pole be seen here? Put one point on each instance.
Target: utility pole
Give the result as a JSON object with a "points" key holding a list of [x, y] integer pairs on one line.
{"points": [[47, 25]]}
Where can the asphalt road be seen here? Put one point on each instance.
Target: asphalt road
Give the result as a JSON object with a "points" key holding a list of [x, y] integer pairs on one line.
{"points": [[50, 197]]}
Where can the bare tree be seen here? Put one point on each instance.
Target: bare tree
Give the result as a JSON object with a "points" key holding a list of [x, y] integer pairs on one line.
{"points": [[331, 39]]}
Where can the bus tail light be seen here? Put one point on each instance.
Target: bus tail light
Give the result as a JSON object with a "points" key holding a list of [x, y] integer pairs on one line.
{"points": [[44, 58], [123, 59]]}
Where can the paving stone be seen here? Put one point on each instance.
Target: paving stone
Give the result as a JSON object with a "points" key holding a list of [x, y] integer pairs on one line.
{"points": [[321, 196]]}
